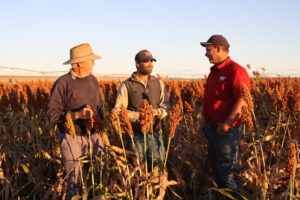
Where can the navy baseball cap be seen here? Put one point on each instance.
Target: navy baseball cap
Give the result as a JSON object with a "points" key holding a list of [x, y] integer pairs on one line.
{"points": [[144, 56], [218, 40]]}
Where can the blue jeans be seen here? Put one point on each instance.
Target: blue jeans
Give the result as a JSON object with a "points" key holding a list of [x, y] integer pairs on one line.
{"points": [[155, 146], [223, 153]]}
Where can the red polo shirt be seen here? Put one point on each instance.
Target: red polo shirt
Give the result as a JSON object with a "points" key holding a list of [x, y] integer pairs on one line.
{"points": [[223, 87]]}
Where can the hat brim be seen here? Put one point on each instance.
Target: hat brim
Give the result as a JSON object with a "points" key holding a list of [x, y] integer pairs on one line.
{"points": [[205, 44], [83, 59]]}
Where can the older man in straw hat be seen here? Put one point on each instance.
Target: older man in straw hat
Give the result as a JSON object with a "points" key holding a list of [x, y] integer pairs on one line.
{"points": [[76, 94]]}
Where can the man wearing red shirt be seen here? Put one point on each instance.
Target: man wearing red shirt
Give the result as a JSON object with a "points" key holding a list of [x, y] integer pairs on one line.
{"points": [[221, 108]]}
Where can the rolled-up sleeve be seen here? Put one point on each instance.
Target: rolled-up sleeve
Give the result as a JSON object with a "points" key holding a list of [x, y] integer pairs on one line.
{"points": [[164, 105], [122, 99]]}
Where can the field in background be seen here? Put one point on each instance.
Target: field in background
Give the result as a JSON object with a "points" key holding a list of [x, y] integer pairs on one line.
{"points": [[30, 159], [13, 79]]}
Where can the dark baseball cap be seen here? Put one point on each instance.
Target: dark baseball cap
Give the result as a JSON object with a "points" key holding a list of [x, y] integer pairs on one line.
{"points": [[144, 56], [218, 40]]}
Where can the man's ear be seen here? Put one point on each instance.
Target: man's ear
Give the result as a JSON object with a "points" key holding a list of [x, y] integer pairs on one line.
{"points": [[219, 48], [137, 64]]}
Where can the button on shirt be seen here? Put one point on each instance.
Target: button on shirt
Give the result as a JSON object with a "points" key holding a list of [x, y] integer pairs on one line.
{"points": [[223, 88]]}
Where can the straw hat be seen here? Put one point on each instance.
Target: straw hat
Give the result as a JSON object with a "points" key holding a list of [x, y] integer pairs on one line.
{"points": [[81, 53]]}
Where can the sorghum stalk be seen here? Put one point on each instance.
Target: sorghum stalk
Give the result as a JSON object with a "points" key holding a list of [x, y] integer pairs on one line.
{"points": [[174, 119], [71, 129], [248, 99], [89, 124], [117, 126], [127, 128], [145, 119]]}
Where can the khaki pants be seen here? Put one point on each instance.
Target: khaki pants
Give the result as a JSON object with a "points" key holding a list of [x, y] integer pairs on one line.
{"points": [[70, 154]]}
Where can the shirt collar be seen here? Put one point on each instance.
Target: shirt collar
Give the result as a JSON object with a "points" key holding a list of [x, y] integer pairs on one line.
{"points": [[136, 78], [219, 66], [73, 74]]}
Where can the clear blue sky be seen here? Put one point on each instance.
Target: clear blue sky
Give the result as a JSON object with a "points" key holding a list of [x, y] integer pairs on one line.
{"points": [[38, 34]]}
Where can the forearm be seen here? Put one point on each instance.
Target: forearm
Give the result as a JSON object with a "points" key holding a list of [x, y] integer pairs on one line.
{"points": [[54, 116], [122, 99], [232, 117], [55, 111], [57, 116], [164, 105], [235, 112], [133, 116]]}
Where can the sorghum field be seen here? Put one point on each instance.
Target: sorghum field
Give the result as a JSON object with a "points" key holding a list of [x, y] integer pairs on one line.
{"points": [[31, 166]]}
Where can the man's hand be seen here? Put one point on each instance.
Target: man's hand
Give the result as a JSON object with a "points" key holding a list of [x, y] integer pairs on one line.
{"points": [[84, 113], [155, 112], [223, 128]]}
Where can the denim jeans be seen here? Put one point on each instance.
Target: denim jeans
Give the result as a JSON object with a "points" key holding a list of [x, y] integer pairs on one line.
{"points": [[223, 153], [155, 146]]}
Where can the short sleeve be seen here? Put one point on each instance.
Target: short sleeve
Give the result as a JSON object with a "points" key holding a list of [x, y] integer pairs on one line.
{"points": [[240, 78]]}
